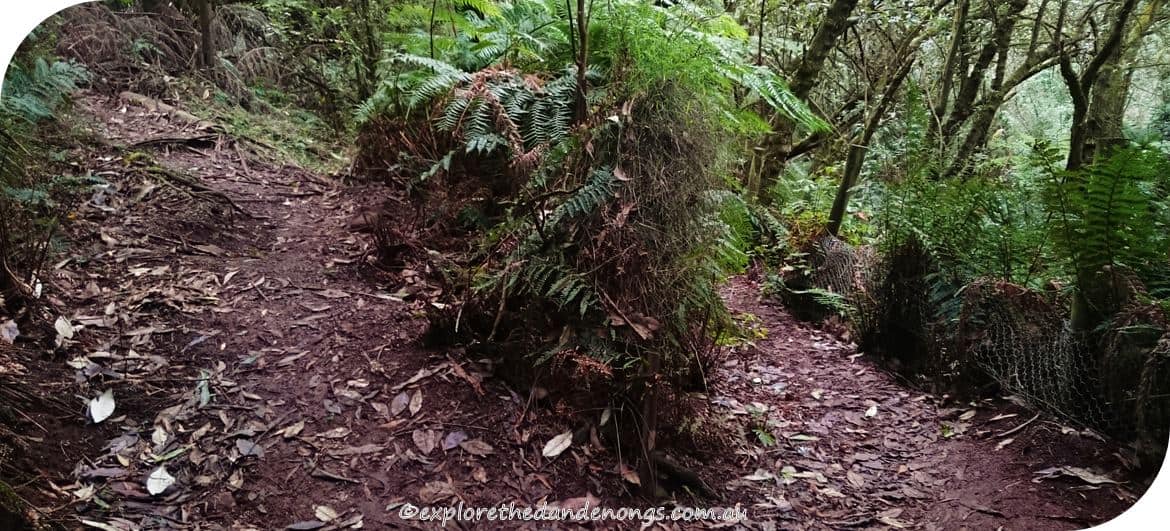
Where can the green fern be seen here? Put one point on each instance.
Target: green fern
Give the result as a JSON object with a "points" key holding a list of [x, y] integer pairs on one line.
{"points": [[32, 94], [1103, 213]]}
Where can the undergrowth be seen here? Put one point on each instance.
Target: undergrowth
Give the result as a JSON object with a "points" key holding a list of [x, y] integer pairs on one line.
{"points": [[34, 199], [601, 238]]}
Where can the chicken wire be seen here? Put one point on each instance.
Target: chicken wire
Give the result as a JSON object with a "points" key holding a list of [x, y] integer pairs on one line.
{"points": [[964, 336]]}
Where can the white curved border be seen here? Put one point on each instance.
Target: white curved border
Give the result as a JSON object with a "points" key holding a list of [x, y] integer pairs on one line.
{"points": [[20, 19]]}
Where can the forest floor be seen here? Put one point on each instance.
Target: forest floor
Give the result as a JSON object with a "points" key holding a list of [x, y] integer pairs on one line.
{"points": [[280, 380]]}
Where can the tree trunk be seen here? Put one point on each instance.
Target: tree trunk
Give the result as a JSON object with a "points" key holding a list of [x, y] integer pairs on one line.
{"points": [[859, 148], [1090, 304], [949, 66], [206, 48], [580, 110], [995, 49], [1082, 88], [370, 51], [853, 164], [776, 146], [1106, 112]]}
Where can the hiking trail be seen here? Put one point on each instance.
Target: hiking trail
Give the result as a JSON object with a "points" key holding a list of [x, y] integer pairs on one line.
{"points": [[281, 382]]}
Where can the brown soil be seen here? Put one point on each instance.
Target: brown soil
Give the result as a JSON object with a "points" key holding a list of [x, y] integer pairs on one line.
{"points": [[290, 385]]}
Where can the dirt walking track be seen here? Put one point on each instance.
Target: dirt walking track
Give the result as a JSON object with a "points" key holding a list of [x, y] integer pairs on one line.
{"points": [[281, 383]]}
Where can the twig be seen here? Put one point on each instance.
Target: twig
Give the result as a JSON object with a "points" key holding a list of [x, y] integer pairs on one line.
{"points": [[1018, 428], [30, 419], [982, 509], [243, 161]]}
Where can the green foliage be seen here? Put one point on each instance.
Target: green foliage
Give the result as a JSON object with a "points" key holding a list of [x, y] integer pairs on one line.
{"points": [[974, 227], [34, 93], [706, 52], [614, 229], [1107, 213]]}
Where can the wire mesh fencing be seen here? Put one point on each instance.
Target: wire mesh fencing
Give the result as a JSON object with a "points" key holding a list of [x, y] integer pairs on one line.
{"points": [[969, 337]]}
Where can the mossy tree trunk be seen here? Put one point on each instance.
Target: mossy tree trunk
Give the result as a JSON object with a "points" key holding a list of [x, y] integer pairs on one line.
{"points": [[1096, 84]]}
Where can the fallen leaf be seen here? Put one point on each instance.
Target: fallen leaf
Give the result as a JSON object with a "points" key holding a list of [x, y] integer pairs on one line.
{"points": [[102, 526], [293, 430], [912, 492], [64, 329], [557, 445], [249, 448], [1003, 443], [159, 436], [324, 513], [335, 433], [236, 480], [159, 481], [477, 447], [288, 360], [890, 513], [435, 491], [586, 501], [415, 403], [855, 479], [968, 415], [422, 373], [398, 405], [1087, 476], [357, 450], [9, 331], [102, 407], [760, 475], [454, 439], [84, 493], [213, 250], [471, 380], [424, 440]]}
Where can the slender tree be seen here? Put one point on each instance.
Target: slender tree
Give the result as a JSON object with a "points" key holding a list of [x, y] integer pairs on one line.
{"points": [[203, 9], [778, 145]]}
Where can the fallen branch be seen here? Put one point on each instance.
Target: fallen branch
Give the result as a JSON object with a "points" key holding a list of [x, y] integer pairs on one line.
{"points": [[201, 140], [681, 475], [171, 111]]}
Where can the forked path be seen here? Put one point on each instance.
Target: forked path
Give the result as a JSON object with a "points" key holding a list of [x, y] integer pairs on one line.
{"points": [[858, 448], [284, 383]]}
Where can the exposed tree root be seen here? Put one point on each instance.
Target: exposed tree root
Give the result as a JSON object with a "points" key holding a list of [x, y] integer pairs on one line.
{"points": [[194, 188]]}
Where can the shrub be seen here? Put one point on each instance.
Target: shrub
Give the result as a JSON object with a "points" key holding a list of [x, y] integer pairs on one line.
{"points": [[603, 240]]}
